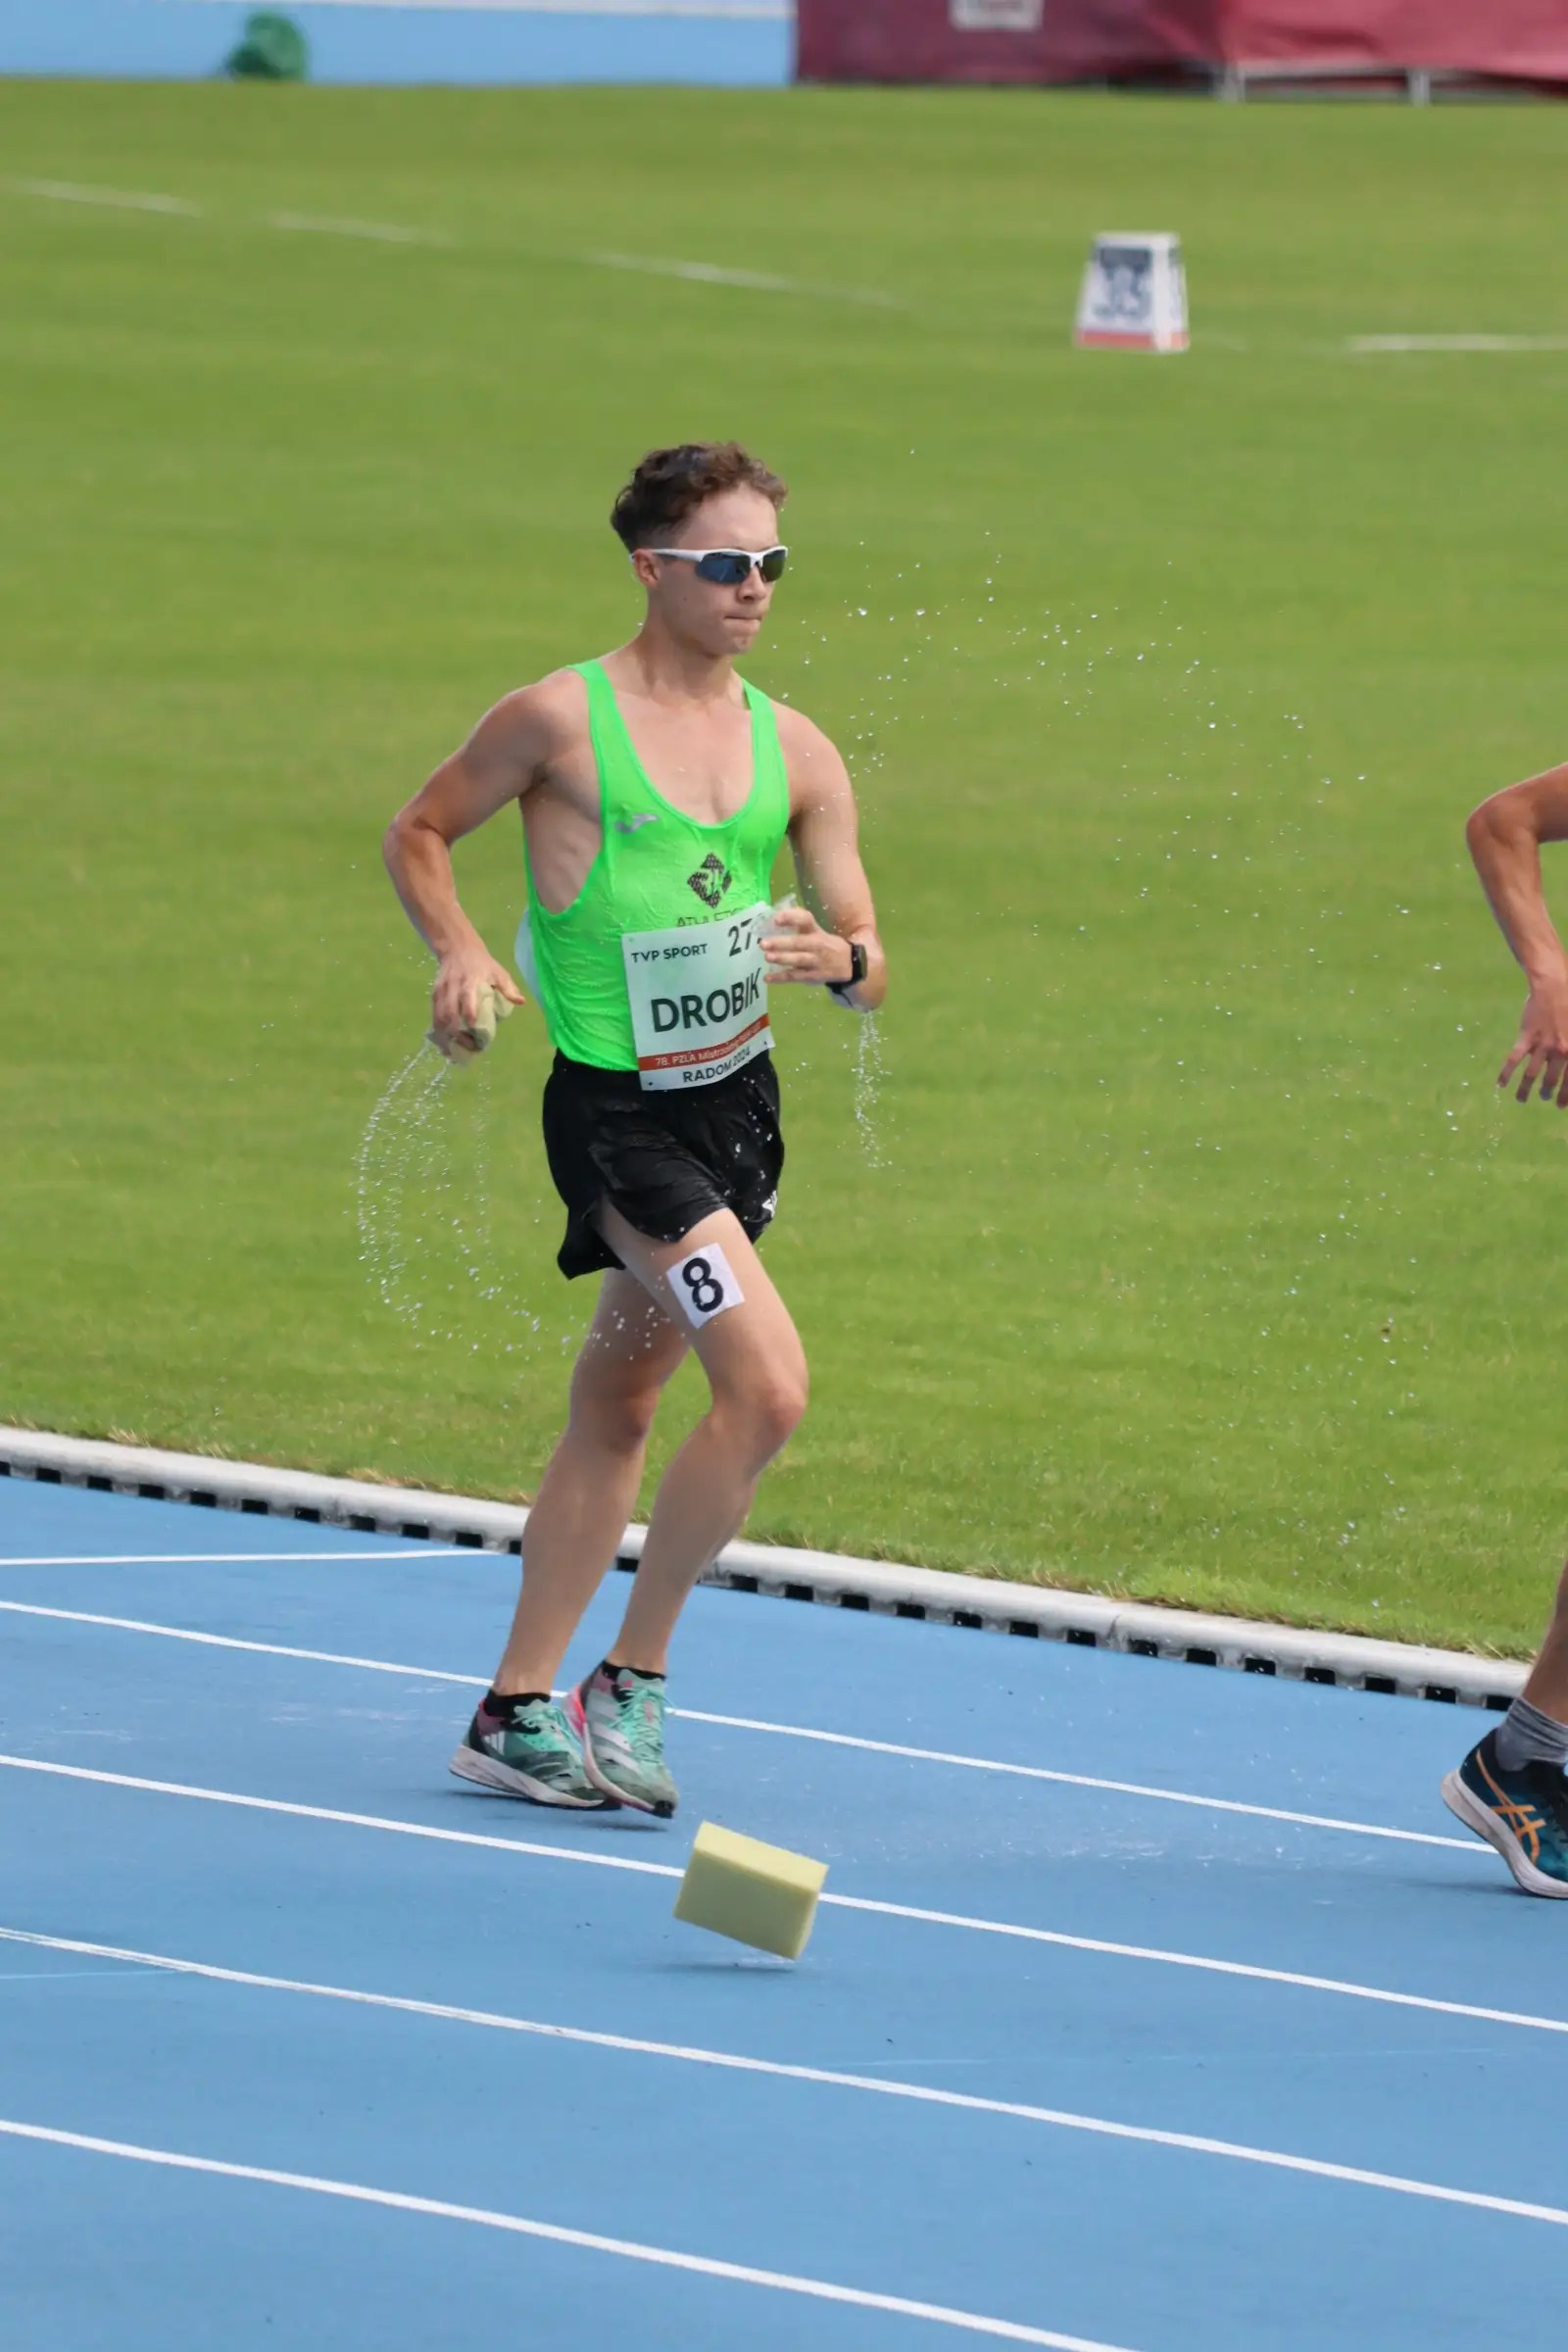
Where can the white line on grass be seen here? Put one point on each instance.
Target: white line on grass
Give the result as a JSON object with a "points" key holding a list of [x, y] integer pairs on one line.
{"points": [[1062, 1941], [1368, 345], [629, 2249], [383, 232], [757, 281], [783, 1730], [124, 200], [389, 232], [1064, 2119]]}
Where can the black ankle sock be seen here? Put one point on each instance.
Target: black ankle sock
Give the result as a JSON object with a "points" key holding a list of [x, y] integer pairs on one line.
{"points": [[494, 1703], [640, 1674]]}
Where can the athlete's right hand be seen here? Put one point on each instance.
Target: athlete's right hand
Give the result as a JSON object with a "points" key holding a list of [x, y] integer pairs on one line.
{"points": [[1542, 1045], [455, 997]]}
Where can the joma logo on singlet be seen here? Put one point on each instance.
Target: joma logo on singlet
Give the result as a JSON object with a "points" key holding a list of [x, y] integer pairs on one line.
{"points": [[711, 880], [720, 1006]]}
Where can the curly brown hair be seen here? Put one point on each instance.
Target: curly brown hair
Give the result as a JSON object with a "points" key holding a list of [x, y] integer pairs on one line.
{"points": [[670, 483]]}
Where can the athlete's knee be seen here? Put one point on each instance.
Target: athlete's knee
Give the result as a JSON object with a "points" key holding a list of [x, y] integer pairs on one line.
{"points": [[617, 1414], [765, 1407]]}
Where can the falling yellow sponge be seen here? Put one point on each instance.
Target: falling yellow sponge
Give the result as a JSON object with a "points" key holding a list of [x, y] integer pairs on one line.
{"points": [[756, 1893], [465, 1045]]}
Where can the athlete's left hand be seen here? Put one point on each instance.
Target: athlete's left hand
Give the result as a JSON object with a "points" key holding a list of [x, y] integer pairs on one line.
{"points": [[799, 948]]}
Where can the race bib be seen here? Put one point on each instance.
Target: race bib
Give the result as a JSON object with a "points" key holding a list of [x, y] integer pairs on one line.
{"points": [[698, 999]]}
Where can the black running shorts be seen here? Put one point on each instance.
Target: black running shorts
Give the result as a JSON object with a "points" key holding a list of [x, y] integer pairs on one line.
{"points": [[665, 1160]]}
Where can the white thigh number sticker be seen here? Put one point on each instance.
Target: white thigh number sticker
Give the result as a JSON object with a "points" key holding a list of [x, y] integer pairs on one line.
{"points": [[705, 1284]]}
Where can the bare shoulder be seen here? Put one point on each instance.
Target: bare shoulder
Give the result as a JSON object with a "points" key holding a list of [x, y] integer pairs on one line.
{"points": [[812, 758], [537, 722]]}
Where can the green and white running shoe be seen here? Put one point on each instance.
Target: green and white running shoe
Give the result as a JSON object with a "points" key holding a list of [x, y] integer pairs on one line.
{"points": [[619, 1714], [1523, 1813], [533, 1753]]}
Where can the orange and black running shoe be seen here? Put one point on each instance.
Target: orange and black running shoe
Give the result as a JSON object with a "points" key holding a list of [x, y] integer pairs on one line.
{"points": [[1523, 1813]]}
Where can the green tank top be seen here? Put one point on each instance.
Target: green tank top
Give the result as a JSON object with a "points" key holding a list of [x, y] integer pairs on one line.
{"points": [[657, 868]]}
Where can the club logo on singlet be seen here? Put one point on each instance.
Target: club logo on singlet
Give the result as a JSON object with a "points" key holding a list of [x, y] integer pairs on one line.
{"points": [[711, 880]]}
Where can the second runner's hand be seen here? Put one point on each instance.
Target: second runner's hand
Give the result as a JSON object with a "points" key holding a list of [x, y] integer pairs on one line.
{"points": [[1542, 1042], [799, 948]]}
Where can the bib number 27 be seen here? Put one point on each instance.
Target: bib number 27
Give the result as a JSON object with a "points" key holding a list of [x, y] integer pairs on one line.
{"points": [[705, 1284]]}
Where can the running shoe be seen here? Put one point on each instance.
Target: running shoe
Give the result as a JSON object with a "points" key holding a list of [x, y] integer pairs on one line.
{"points": [[1524, 1814], [620, 1718], [534, 1755]]}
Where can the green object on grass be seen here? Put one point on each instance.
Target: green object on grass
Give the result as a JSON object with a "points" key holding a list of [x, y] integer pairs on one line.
{"points": [[1203, 1265], [273, 48]]}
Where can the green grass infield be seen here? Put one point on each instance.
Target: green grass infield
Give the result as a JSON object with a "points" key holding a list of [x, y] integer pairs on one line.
{"points": [[1168, 1237]]}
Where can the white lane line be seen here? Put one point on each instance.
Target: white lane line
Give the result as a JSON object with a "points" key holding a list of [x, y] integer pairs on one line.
{"points": [[843, 1902], [1370, 344], [783, 1730], [265, 1650], [1064, 2119], [125, 200], [629, 2249], [383, 232], [352, 1821], [757, 281], [1084, 1780], [412, 1547]]}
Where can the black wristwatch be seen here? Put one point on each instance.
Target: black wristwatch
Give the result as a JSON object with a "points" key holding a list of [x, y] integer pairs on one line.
{"points": [[859, 965]]}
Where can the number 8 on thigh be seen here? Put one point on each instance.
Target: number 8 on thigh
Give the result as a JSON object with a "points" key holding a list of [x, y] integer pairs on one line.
{"points": [[705, 1284]]}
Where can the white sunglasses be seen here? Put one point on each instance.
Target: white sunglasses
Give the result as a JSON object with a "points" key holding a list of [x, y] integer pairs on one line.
{"points": [[726, 566]]}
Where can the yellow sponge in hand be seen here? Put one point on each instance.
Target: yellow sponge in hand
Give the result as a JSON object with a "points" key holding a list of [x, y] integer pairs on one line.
{"points": [[466, 1045], [755, 1894]]}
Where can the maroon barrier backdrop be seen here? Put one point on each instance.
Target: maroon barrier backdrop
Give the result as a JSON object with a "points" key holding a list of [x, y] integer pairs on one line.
{"points": [[1089, 40]]}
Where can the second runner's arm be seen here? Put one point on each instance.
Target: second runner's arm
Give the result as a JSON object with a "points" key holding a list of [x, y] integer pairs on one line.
{"points": [[808, 941], [499, 761], [1504, 836]]}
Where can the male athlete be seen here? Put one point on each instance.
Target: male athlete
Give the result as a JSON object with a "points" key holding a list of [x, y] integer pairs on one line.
{"points": [[656, 790], [1510, 1789]]}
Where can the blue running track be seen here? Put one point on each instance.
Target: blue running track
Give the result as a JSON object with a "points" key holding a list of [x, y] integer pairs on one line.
{"points": [[1254, 2050]]}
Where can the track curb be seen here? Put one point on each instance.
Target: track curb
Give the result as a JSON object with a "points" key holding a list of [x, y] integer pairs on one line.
{"points": [[989, 1603]]}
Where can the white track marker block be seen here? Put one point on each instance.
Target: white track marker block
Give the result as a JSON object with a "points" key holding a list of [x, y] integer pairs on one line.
{"points": [[1134, 295], [753, 1893]]}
